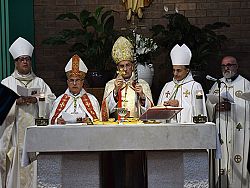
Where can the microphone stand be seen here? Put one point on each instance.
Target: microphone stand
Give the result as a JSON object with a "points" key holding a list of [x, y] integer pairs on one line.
{"points": [[219, 133]]}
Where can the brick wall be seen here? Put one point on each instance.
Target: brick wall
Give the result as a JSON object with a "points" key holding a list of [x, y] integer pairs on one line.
{"points": [[51, 60]]}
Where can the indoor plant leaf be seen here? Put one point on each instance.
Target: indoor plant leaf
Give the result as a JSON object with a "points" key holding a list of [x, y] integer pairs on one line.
{"points": [[84, 15], [68, 16]]}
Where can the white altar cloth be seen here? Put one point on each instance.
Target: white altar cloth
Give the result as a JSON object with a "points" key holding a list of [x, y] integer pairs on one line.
{"points": [[65, 138]]}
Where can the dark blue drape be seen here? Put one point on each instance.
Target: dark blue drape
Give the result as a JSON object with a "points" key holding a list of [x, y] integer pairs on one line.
{"points": [[7, 99]]}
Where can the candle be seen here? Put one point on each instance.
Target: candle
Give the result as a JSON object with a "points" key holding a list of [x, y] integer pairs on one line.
{"points": [[199, 103], [41, 105]]}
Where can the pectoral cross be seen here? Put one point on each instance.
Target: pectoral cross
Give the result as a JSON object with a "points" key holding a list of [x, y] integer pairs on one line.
{"points": [[186, 93]]}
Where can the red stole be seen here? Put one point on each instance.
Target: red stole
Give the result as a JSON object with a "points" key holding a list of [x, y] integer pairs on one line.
{"points": [[86, 101], [119, 103], [60, 107]]}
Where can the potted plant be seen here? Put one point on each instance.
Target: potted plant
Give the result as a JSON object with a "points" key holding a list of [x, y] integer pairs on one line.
{"points": [[204, 42], [145, 48], [92, 40]]}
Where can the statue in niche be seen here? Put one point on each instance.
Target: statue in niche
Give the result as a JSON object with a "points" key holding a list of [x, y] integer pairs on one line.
{"points": [[135, 7]]}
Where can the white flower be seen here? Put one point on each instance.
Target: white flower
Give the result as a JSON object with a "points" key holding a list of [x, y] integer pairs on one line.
{"points": [[144, 45]]}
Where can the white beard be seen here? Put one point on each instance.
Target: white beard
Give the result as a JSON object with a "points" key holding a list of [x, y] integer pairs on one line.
{"points": [[228, 74]]}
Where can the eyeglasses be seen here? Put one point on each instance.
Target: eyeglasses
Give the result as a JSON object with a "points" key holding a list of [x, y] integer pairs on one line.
{"points": [[228, 65], [22, 59], [75, 81]]}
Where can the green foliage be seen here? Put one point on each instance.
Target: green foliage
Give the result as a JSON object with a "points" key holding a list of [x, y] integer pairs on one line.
{"points": [[92, 41], [203, 42]]}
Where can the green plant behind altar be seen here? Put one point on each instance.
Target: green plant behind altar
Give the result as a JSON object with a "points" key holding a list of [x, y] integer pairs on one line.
{"points": [[92, 40], [204, 42]]}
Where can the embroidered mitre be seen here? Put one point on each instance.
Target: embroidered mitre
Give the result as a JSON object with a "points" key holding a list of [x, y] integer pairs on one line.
{"points": [[122, 50], [76, 67]]}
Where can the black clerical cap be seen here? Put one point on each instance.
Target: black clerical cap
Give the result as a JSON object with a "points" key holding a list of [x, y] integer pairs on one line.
{"points": [[7, 99]]}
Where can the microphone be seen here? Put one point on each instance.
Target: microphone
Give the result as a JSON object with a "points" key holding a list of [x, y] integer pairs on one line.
{"points": [[208, 77], [215, 80]]}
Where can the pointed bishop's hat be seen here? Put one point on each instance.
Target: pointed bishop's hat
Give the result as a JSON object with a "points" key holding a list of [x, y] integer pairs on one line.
{"points": [[76, 67], [21, 47], [180, 55]]}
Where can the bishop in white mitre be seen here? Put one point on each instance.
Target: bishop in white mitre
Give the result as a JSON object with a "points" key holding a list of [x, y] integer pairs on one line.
{"points": [[183, 91], [22, 115]]}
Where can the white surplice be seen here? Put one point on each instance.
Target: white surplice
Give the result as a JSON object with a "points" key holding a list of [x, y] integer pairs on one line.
{"points": [[18, 119], [185, 92], [79, 107], [234, 127]]}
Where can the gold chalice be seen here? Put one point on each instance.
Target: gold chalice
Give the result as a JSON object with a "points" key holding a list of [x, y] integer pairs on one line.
{"points": [[122, 112]]}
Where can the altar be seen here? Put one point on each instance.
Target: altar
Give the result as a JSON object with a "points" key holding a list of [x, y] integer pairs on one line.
{"points": [[69, 155]]}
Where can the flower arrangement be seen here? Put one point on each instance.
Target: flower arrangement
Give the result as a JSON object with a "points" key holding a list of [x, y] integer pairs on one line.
{"points": [[144, 49]]}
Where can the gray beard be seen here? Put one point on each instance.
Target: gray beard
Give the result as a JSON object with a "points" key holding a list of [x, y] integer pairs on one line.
{"points": [[228, 74]]}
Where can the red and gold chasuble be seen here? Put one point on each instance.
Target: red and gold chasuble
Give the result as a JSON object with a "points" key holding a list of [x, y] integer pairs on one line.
{"points": [[126, 98], [129, 100], [64, 100]]}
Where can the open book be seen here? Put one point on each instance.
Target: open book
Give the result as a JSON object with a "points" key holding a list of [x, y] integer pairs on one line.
{"points": [[245, 96], [225, 96], [72, 118], [160, 112], [23, 91]]}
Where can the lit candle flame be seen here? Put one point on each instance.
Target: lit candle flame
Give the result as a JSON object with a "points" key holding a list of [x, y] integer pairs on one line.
{"points": [[42, 95]]}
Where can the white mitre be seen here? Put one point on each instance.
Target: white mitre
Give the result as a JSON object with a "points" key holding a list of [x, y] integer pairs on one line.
{"points": [[21, 47], [180, 55]]}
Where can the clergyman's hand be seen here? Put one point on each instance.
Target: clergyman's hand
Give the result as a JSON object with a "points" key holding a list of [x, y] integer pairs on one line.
{"points": [[174, 103], [118, 83], [139, 90], [60, 120], [223, 106], [31, 100], [20, 101], [26, 100]]}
